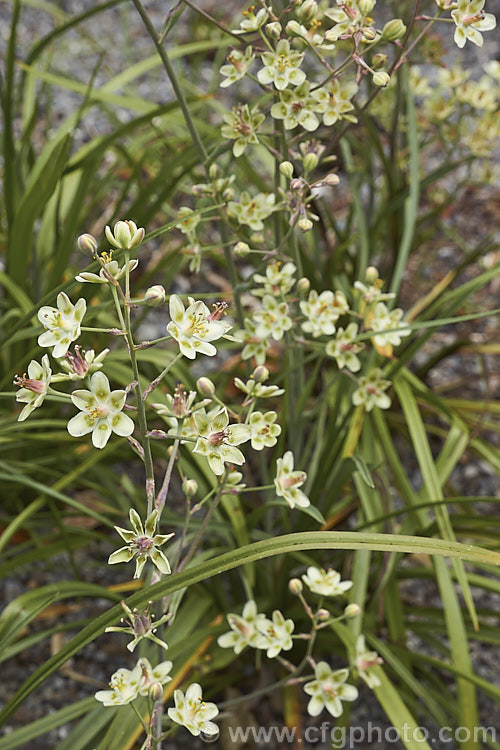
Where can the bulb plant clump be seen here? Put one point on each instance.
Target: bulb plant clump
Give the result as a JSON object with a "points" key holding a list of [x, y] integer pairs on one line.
{"points": [[259, 414]]}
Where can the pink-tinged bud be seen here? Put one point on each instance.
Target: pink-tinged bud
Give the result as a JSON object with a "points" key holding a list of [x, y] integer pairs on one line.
{"points": [[381, 79], [322, 615], [190, 487], [305, 225], [297, 183], [260, 374], [87, 244], [351, 611], [393, 30], [379, 61], [307, 11], [155, 691], [295, 586], [214, 171], [241, 249], [369, 33], [273, 30], [205, 387], [293, 28], [155, 296], [332, 179]]}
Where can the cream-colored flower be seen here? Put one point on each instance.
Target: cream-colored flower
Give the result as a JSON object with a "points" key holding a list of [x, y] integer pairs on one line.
{"points": [[279, 279], [100, 412], [371, 391], [272, 319], [282, 67], [264, 430], [217, 439], [110, 268], [192, 712], [276, 634], [195, 327], [125, 235], [325, 582], [334, 100], [322, 312], [236, 67], [252, 210], [366, 661], [470, 20], [244, 629], [328, 690], [344, 349], [33, 387], [143, 543], [63, 324], [288, 481]]}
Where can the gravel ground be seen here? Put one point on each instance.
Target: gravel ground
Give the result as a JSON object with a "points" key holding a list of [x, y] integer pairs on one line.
{"points": [[77, 56]]}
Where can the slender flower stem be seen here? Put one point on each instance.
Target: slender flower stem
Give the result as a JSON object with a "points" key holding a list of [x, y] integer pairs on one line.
{"points": [[197, 141], [162, 495], [212, 20], [141, 409], [173, 79], [156, 382]]}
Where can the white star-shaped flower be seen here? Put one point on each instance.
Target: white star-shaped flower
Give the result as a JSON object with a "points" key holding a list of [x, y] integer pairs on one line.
{"points": [[195, 327], [101, 412], [62, 324]]}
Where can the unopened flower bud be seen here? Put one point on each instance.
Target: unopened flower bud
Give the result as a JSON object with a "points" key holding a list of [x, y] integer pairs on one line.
{"points": [[125, 235], [297, 183], [87, 244], [371, 274], [332, 179], [260, 374], [366, 7], [273, 30], [303, 285], [305, 224], [379, 60], [241, 249], [380, 78], [322, 615], [369, 33], [190, 487], [286, 168], [214, 171], [205, 386], [351, 611], [393, 30], [310, 162], [295, 586], [155, 691], [293, 28], [307, 11], [155, 296]]}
